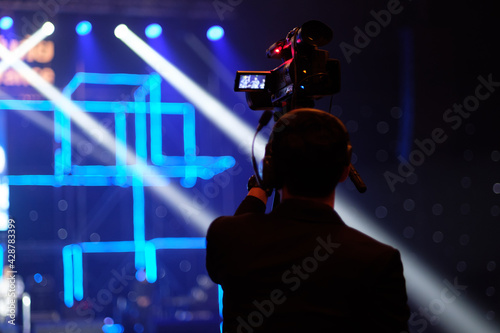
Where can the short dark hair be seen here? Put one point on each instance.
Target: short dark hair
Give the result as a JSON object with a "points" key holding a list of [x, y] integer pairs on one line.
{"points": [[309, 152]]}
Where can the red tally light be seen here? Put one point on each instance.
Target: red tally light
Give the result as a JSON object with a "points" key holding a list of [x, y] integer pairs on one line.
{"points": [[277, 50]]}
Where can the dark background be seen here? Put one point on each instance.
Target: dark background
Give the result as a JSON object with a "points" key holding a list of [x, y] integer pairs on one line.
{"points": [[395, 90]]}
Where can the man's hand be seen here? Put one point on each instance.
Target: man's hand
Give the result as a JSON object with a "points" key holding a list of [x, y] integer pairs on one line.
{"points": [[255, 190], [258, 193]]}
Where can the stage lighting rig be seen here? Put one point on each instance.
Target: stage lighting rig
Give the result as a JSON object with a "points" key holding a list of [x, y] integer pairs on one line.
{"points": [[306, 74]]}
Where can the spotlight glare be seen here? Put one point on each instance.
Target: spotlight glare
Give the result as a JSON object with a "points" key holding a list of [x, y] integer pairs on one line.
{"points": [[153, 30], [48, 28], [424, 286], [38, 277], [83, 28], [6, 23], [9, 58], [219, 114], [184, 204], [26, 300], [215, 33], [121, 30]]}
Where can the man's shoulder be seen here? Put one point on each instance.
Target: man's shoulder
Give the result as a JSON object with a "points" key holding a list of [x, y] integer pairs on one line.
{"points": [[237, 223], [366, 243]]}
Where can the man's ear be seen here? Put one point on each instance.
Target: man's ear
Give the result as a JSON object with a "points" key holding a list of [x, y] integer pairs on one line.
{"points": [[345, 173]]}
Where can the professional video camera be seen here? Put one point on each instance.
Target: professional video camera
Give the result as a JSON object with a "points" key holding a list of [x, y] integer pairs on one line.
{"points": [[306, 73]]}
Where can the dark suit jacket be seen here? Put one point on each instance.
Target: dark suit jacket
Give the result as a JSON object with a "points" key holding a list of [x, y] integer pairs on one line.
{"points": [[301, 269]]}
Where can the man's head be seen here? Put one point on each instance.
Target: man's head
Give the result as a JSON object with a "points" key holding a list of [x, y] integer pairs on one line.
{"points": [[308, 152]]}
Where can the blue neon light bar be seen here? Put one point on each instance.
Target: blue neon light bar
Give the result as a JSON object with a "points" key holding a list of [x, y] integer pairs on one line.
{"points": [[188, 167]]}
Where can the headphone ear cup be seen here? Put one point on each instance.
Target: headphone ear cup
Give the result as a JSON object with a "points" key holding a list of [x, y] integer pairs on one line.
{"points": [[349, 153], [268, 174]]}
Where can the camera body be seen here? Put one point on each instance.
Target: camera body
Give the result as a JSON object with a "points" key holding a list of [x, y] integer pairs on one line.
{"points": [[306, 73]]}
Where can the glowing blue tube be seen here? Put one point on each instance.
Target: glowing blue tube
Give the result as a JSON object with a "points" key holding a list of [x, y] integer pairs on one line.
{"points": [[179, 243], [220, 295], [67, 254], [108, 247], [121, 148], [77, 272], [189, 132], [14, 104], [151, 269], [139, 224]]}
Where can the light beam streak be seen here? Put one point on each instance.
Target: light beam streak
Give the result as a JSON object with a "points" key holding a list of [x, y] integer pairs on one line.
{"points": [[239, 132], [46, 30], [423, 285], [182, 203]]}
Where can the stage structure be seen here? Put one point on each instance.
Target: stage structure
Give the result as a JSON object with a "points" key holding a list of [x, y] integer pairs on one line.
{"points": [[188, 167], [143, 164]]}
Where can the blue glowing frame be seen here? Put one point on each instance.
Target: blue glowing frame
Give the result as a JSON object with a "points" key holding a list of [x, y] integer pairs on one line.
{"points": [[188, 167]]}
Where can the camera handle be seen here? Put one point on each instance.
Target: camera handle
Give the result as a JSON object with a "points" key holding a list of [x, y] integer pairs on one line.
{"points": [[356, 179]]}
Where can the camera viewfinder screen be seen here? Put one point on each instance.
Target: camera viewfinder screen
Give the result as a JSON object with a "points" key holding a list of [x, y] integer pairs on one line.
{"points": [[257, 82]]}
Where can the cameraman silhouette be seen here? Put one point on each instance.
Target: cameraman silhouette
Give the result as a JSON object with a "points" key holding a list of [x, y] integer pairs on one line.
{"points": [[300, 268]]}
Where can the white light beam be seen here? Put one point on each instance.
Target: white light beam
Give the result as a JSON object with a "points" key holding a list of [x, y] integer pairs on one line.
{"points": [[219, 114], [201, 218], [455, 314], [46, 30]]}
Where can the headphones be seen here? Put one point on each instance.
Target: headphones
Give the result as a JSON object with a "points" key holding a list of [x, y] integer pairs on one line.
{"points": [[271, 177]]}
